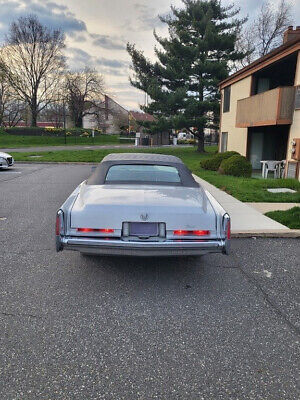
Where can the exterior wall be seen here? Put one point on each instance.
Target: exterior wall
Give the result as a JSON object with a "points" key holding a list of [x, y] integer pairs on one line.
{"points": [[295, 127], [237, 137], [112, 116]]}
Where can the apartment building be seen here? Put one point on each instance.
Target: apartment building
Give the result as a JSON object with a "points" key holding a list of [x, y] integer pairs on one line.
{"points": [[260, 107]]}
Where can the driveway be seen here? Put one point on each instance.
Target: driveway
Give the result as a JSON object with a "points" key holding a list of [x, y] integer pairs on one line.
{"points": [[212, 327]]}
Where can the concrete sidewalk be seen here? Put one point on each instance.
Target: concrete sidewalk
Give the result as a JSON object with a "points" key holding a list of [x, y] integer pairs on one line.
{"points": [[245, 220], [266, 207]]}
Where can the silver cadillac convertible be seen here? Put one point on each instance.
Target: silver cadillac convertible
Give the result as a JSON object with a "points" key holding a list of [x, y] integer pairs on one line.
{"points": [[142, 205]]}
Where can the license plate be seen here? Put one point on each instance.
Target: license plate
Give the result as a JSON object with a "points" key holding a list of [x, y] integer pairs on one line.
{"points": [[143, 229]]}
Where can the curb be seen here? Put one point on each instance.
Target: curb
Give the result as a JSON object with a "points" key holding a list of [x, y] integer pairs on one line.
{"points": [[288, 233], [57, 162]]}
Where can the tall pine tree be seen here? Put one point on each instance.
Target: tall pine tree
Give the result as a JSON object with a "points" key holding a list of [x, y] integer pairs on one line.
{"points": [[192, 60]]}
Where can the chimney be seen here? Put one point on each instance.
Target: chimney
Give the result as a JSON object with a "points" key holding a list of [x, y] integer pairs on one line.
{"points": [[291, 34]]}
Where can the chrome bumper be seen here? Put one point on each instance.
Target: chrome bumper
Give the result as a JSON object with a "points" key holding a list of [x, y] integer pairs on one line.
{"points": [[122, 248]]}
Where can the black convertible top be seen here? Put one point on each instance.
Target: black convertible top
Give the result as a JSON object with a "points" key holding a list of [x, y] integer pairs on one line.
{"points": [[99, 175]]}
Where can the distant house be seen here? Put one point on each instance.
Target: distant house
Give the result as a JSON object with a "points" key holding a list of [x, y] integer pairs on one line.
{"points": [[109, 116], [260, 107], [136, 119]]}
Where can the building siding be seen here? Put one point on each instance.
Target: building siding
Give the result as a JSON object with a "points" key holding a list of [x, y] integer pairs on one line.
{"points": [[295, 127], [237, 137]]}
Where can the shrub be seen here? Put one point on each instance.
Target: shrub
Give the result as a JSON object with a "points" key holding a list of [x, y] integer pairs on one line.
{"points": [[49, 131], [186, 141], [236, 165], [214, 162]]}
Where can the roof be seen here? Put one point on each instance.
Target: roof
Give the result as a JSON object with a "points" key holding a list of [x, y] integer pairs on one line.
{"points": [[140, 116], [144, 157], [278, 53]]}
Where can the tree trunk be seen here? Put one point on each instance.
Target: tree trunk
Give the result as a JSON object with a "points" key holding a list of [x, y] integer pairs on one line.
{"points": [[34, 113], [79, 122], [200, 147], [33, 118]]}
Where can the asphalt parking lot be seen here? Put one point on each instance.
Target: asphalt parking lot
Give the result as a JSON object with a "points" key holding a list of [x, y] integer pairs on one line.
{"points": [[214, 327]]}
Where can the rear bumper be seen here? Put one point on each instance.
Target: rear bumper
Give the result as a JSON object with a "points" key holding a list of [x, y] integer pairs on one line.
{"points": [[143, 249]]}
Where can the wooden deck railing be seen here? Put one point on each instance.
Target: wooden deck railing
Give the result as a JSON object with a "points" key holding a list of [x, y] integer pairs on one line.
{"points": [[273, 107]]}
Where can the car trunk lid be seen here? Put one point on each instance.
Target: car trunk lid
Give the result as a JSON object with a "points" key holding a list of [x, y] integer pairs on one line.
{"points": [[108, 206]]}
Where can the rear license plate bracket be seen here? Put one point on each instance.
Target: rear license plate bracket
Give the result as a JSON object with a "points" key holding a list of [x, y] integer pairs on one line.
{"points": [[143, 229]]}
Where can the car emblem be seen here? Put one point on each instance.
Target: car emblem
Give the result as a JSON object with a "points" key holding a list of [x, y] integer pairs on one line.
{"points": [[144, 217]]}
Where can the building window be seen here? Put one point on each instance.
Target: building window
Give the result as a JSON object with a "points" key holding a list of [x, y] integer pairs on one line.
{"points": [[224, 139], [226, 100]]}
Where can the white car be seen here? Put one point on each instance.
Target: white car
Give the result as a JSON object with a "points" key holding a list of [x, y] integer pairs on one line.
{"points": [[6, 160], [142, 205]]}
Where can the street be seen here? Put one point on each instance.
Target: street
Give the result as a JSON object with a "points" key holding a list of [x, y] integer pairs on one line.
{"points": [[73, 327]]}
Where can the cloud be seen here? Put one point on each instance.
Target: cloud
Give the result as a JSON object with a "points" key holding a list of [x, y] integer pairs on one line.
{"points": [[79, 53], [107, 42], [53, 5], [111, 62], [147, 17], [80, 39], [114, 71], [51, 14], [78, 59]]}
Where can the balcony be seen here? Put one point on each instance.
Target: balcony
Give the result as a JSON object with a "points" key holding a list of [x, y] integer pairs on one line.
{"points": [[273, 107]]}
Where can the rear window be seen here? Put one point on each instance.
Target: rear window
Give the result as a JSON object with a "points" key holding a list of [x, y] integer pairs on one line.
{"points": [[142, 173]]}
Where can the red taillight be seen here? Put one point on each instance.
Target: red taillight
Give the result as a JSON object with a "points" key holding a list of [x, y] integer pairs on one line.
{"points": [[59, 225], [228, 230], [95, 230], [191, 233], [180, 233]]}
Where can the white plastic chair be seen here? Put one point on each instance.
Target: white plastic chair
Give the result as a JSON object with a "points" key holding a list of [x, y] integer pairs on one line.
{"points": [[271, 166], [281, 168]]}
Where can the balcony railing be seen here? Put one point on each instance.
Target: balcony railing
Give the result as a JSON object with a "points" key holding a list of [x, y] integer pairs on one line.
{"points": [[273, 107]]}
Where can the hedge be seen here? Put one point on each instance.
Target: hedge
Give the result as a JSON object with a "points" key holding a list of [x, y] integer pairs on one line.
{"points": [[37, 131], [236, 165], [213, 163]]}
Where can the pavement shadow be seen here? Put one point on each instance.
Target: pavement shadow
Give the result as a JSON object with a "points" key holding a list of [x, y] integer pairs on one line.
{"points": [[164, 269]]}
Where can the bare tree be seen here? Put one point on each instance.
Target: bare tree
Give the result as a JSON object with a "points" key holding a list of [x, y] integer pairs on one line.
{"points": [[271, 24], [245, 45], [33, 62], [265, 33], [12, 110], [84, 93]]}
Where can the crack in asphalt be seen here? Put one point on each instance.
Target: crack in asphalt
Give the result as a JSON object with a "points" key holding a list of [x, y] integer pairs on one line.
{"points": [[266, 297], [6, 314]]}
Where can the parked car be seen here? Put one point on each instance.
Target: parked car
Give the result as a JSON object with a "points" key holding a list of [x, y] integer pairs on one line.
{"points": [[6, 160], [142, 205], [182, 135], [185, 136]]}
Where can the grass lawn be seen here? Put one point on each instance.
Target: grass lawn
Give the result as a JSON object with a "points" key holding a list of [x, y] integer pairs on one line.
{"points": [[244, 189], [14, 141], [289, 218]]}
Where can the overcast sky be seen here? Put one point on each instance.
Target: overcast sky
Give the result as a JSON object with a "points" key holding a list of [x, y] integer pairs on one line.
{"points": [[97, 32]]}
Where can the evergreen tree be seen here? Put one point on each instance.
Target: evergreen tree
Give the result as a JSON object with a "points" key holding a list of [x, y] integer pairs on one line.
{"points": [[192, 60]]}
